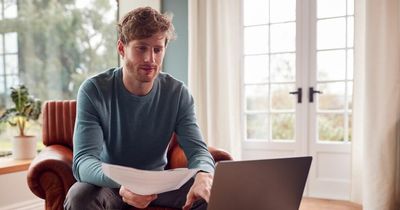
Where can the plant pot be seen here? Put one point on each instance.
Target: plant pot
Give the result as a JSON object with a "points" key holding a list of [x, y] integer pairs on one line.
{"points": [[24, 147]]}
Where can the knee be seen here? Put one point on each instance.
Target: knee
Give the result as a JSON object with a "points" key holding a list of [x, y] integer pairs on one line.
{"points": [[80, 196]]}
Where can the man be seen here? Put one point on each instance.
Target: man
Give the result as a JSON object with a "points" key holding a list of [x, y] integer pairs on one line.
{"points": [[127, 115]]}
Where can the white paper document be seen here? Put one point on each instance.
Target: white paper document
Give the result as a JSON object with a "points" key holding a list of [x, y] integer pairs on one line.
{"points": [[144, 182]]}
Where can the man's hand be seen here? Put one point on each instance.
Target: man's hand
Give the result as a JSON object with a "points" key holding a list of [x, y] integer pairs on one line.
{"points": [[133, 199], [201, 188]]}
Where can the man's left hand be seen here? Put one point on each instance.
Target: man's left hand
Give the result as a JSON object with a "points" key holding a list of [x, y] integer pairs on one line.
{"points": [[201, 188]]}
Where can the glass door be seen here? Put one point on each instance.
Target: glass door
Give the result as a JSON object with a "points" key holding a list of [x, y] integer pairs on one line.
{"points": [[297, 86], [269, 63]]}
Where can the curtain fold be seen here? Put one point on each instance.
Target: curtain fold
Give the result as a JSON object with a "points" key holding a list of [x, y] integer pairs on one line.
{"points": [[376, 105], [214, 70]]}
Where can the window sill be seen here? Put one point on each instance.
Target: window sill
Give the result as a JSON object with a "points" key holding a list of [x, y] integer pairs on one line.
{"points": [[9, 165]]}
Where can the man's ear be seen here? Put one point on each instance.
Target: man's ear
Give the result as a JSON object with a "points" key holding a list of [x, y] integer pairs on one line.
{"points": [[120, 48]]}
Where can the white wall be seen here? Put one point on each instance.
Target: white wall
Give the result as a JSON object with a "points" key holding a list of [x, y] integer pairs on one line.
{"points": [[14, 189]]}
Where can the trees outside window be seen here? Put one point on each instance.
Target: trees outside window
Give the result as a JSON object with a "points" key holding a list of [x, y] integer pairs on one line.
{"points": [[51, 46]]}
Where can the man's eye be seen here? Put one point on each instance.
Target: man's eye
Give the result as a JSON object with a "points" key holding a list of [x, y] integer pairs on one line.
{"points": [[142, 48], [157, 50]]}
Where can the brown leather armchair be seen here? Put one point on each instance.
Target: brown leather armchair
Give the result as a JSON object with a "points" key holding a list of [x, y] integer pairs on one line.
{"points": [[50, 174]]}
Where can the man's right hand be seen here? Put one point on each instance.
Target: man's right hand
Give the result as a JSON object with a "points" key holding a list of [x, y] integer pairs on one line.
{"points": [[133, 199]]}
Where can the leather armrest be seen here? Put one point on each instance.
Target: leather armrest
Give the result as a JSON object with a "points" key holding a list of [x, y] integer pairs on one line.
{"points": [[178, 157], [50, 175], [219, 154]]}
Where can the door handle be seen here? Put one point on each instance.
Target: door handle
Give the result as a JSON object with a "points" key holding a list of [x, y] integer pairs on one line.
{"points": [[299, 94], [311, 93]]}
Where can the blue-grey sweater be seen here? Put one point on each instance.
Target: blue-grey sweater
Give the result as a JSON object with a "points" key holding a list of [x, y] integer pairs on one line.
{"points": [[117, 127]]}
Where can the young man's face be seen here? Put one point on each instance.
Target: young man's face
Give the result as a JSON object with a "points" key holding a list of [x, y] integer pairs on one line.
{"points": [[143, 57]]}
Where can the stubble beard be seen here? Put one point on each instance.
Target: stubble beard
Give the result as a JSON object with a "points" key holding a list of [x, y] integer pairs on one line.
{"points": [[138, 75]]}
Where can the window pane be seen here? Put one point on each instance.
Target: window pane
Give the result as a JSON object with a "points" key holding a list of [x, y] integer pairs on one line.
{"points": [[350, 31], [331, 127], [256, 40], [256, 97], [256, 69], [11, 81], [280, 97], [1, 11], [350, 7], [11, 42], [86, 35], [350, 132], [1, 67], [283, 37], [350, 95], [10, 8], [56, 50], [332, 97], [11, 64], [331, 8], [331, 65], [255, 12], [283, 67], [331, 33], [2, 91], [257, 126], [283, 126], [283, 10], [1, 44], [350, 64]]}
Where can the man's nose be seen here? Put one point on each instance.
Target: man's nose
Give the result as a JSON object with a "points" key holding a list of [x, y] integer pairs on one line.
{"points": [[150, 56]]}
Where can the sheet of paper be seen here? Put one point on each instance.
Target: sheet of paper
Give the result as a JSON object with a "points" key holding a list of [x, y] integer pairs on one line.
{"points": [[145, 182]]}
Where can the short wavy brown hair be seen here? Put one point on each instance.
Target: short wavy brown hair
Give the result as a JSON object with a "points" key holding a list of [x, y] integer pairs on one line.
{"points": [[144, 22]]}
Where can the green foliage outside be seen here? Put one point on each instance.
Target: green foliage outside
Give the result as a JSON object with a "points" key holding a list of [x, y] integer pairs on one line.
{"points": [[60, 44], [283, 126], [331, 127], [271, 110]]}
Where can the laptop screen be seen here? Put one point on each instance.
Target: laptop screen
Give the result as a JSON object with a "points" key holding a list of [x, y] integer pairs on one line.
{"points": [[268, 184]]}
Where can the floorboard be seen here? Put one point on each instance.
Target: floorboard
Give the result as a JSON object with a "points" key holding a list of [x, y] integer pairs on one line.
{"points": [[326, 204]]}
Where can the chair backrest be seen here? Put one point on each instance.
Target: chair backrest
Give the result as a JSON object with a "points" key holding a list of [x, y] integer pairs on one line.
{"points": [[59, 122]]}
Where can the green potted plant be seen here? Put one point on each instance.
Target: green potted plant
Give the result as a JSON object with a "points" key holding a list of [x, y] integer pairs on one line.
{"points": [[26, 107]]}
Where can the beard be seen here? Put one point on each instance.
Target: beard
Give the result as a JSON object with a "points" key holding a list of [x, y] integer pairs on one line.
{"points": [[143, 73]]}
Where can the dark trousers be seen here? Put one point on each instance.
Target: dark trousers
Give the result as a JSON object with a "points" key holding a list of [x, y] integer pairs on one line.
{"points": [[91, 197]]}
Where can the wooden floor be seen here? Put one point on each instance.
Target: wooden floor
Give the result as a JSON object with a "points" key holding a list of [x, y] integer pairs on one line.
{"points": [[325, 204]]}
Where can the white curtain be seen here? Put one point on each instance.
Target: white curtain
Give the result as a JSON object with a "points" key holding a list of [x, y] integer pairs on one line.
{"points": [[214, 70], [376, 105]]}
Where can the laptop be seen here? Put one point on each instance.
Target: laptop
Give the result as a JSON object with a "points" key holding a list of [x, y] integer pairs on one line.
{"points": [[268, 184]]}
